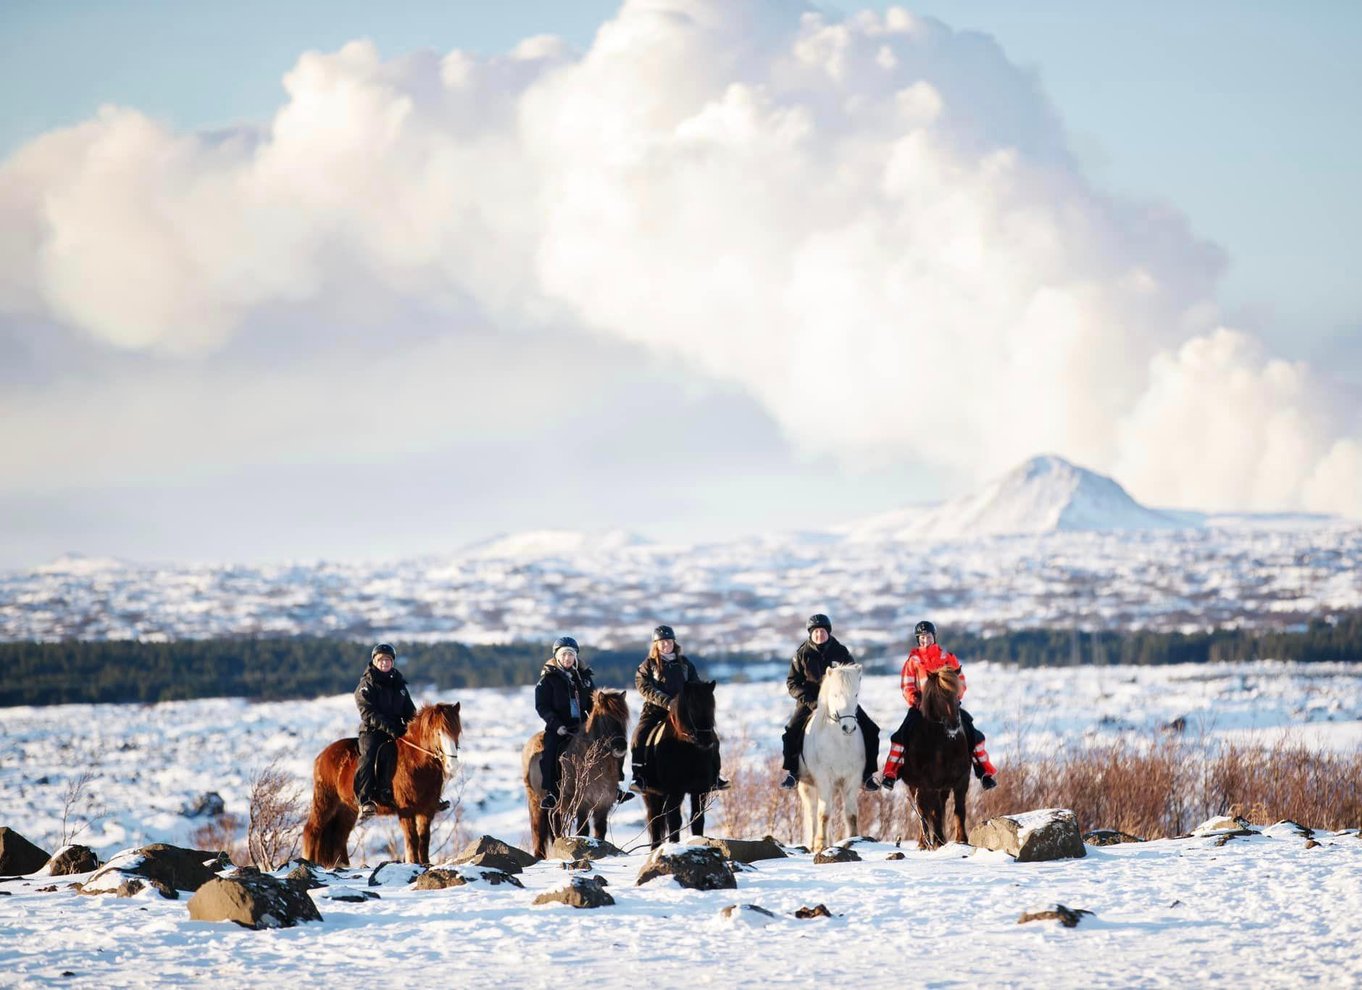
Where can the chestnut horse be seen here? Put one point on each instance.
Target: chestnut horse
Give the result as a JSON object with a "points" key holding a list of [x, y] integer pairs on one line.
{"points": [[937, 760], [427, 755], [683, 760], [590, 773]]}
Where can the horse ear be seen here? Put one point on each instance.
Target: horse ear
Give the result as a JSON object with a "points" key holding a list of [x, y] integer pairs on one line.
{"points": [[457, 704]]}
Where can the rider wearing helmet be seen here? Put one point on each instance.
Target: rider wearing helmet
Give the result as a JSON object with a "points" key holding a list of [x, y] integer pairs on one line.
{"points": [[810, 662], [562, 698], [385, 708], [927, 658], [659, 678]]}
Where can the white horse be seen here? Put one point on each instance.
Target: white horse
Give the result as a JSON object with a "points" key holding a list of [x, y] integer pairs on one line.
{"points": [[834, 755]]}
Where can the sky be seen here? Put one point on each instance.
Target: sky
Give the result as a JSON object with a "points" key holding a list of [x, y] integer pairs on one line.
{"points": [[329, 282]]}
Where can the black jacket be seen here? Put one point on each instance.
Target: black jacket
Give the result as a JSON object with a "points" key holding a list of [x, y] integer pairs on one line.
{"points": [[809, 664], [659, 681], [554, 693], [384, 705]]}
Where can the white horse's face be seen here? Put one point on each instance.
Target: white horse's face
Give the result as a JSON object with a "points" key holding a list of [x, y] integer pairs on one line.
{"points": [[840, 693]]}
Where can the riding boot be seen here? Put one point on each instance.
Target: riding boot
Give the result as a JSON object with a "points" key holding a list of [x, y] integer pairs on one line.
{"points": [[983, 767], [549, 767], [899, 743], [648, 720], [792, 739]]}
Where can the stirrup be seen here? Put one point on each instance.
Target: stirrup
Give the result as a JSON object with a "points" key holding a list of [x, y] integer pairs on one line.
{"points": [[548, 802], [622, 795], [367, 810], [788, 784], [721, 785]]}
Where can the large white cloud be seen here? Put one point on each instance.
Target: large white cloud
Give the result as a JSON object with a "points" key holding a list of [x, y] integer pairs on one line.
{"points": [[873, 226]]}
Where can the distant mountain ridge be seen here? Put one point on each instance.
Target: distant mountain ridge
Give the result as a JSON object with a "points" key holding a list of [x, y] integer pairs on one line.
{"points": [[1045, 494]]}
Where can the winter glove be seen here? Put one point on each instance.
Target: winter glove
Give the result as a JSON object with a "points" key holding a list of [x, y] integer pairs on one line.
{"points": [[563, 730]]}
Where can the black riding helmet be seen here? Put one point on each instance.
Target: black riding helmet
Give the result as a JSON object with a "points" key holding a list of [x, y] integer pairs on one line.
{"points": [[664, 632], [563, 641], [924, 627], [819, 621], [382, 649]]}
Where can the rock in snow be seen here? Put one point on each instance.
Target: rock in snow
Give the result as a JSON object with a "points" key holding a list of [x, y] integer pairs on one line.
{"points": [[1051, 833]]}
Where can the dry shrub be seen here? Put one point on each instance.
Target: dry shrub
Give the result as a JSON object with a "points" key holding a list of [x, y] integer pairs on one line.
{"points": [[276, 823], [222, 833], [1286, 780], [80, 807], [755, 805]]}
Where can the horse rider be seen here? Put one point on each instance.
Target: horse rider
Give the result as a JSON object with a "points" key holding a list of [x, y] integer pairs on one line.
{"points": [[807, 667], [659, 679], [927, 658], [385, 708], [563, 699]]}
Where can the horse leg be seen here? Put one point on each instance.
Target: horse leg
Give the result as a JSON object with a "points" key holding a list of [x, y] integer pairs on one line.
{"points": [[656, 808], [960, 834], [423, 839], [598, 822], [409, 838], [808, 806], [850, 807], [674, 817], [697, 813], [539, 824]]}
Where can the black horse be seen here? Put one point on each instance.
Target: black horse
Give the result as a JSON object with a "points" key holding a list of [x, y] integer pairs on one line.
{"points": [[682, 758], [937, 760]]}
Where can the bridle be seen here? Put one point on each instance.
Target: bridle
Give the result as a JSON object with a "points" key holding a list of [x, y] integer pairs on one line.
{"points": [[834, 717]]}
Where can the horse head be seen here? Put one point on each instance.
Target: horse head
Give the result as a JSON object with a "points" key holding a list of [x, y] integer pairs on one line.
{"points": [[941, 698], [691, 714], [839, 694], [609, 722], [435, 731]]}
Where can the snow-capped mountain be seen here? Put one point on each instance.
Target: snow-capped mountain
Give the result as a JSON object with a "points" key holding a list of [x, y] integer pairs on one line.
{"points": [[1046, 494], [1049, 544]]}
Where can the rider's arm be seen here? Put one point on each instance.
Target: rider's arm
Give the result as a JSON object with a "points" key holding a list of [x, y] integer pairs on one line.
{"points": [[652, 692]]}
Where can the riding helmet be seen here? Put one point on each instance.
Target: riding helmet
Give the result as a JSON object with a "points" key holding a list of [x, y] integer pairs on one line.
{"points": [[382, 649], [819, 621], [664, 632], [563, 641], [924, 627]]}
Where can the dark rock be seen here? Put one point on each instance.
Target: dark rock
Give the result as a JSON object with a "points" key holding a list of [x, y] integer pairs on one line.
{"points": [[1311, 844], [127, 885], [206, 805], [439, 879], [1108, 837], [746, 850], [304, 877], [817, 911], [895, 855], [18, 856], [1068, 917], [575, 847], [170, 866], [71, 859], [837, 854], [354, 896], [1224, 825], [582, 892], [491, 851], [1225, 838], [1033, 837], [49, 889], [695, 867], [253, 901]]}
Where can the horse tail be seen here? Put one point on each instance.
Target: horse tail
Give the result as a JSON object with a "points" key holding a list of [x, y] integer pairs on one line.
{"points": [[327, 829]]}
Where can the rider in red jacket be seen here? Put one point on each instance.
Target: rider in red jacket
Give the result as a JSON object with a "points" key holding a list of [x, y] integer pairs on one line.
{"points": [[927, 658]]}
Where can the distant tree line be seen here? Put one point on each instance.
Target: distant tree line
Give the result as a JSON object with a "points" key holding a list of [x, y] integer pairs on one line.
{"points": [[278, 668]]}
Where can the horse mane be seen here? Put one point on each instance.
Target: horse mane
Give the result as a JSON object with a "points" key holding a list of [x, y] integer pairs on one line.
{"points": [[941, 689], [608, 704], [428, 722]]}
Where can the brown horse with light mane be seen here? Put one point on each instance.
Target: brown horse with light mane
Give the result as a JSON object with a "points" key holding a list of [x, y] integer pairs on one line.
{"points": [[590, 768], [427, 755], [937, 760]]}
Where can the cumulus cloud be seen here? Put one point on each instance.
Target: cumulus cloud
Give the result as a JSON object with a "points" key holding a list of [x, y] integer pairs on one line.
{"points": [[873, 226]]}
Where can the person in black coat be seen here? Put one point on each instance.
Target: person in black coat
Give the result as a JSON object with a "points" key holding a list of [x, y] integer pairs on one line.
{"points": [[810, 662], [659, 679], [385, 708], [563, 699]]}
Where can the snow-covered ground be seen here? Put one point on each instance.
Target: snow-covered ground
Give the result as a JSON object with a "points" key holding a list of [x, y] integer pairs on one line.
{"points": [[1261, 911]]}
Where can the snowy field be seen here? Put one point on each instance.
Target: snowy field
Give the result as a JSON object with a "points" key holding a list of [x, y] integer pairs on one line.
{"points": [[1260, 911]]}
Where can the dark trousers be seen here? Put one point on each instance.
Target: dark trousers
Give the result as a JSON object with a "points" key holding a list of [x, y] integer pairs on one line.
{"points": [[374, 771], [549, 767], [914, 718], [792, 739]]}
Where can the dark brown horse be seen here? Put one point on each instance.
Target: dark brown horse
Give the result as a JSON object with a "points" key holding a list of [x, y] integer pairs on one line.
{"points": [[936, 762], [427, 756], [683, 760], [590, 769]]}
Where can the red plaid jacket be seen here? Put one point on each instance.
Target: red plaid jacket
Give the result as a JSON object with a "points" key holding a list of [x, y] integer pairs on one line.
{"points": [[919, 664]]}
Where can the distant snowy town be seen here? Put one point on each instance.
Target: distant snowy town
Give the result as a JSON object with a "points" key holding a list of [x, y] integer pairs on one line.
{"points": [[1048, 545]]}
